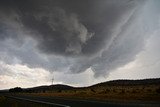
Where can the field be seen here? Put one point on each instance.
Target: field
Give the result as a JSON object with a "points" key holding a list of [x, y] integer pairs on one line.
{"points": [[7, 102], [108, 93], [111, 91], [119, 90]]}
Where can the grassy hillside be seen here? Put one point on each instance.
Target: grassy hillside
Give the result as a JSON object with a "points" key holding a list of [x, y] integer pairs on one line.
{"points": [[155, 81], [148, 89], [51, 88]]}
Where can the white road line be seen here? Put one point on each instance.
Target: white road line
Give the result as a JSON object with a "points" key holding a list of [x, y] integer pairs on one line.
{"points": [[36, 101]]}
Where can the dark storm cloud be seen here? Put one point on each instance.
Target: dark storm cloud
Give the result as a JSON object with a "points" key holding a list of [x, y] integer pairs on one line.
{"points": [[73, 35], [70, 27]]}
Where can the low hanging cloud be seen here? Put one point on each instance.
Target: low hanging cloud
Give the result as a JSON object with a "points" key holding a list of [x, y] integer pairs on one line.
{"points": [[72, 36], [58, 32]]}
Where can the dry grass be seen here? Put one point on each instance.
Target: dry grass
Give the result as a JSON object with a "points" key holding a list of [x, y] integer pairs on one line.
{"points": [[125, 93], [9, 102]]}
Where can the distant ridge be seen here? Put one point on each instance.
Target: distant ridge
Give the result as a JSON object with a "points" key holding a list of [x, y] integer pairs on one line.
{"points": [[117, 90], [58, 87], [130, 82]]}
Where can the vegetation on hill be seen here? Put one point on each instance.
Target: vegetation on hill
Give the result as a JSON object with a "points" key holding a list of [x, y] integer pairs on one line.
{"points": [[16, 89], [148, 89]]}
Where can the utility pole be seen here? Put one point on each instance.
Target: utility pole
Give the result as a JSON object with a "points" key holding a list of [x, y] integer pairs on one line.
{"points": [[52, 80]]}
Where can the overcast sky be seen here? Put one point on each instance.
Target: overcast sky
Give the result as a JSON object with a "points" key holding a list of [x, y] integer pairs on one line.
{"points": [[78, 42]]}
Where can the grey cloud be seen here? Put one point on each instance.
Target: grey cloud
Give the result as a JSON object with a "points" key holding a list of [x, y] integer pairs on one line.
{"points": [[71, 28], [72, 36]]}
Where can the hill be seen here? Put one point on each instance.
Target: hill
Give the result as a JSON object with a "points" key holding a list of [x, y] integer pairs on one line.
{"points": [[146, 89], [155, 81], [53, 88]]}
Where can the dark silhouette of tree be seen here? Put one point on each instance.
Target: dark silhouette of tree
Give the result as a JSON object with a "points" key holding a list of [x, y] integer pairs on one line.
{"points": [[16, 89]]}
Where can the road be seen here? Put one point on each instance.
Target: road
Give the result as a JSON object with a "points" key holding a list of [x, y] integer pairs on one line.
{"points": [[62, 102]]}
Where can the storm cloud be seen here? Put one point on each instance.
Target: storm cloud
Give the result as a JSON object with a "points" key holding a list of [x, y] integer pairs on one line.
{"points": [[72, 36]]}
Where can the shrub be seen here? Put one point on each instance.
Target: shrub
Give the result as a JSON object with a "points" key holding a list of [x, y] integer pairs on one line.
{"points": [[149, 90], [93, 90], [2, 98], [114, 91], [59, 91], [44, 91], [122, 91], [158, 90], [16, 89], [107, 90], [134, 91]]}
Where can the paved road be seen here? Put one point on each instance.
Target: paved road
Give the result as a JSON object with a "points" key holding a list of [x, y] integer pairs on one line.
{"points": [[61, 102]]}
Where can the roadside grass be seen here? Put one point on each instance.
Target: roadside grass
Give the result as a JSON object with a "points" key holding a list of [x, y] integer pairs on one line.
{"points": [[3, 101], [9, 102]]}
